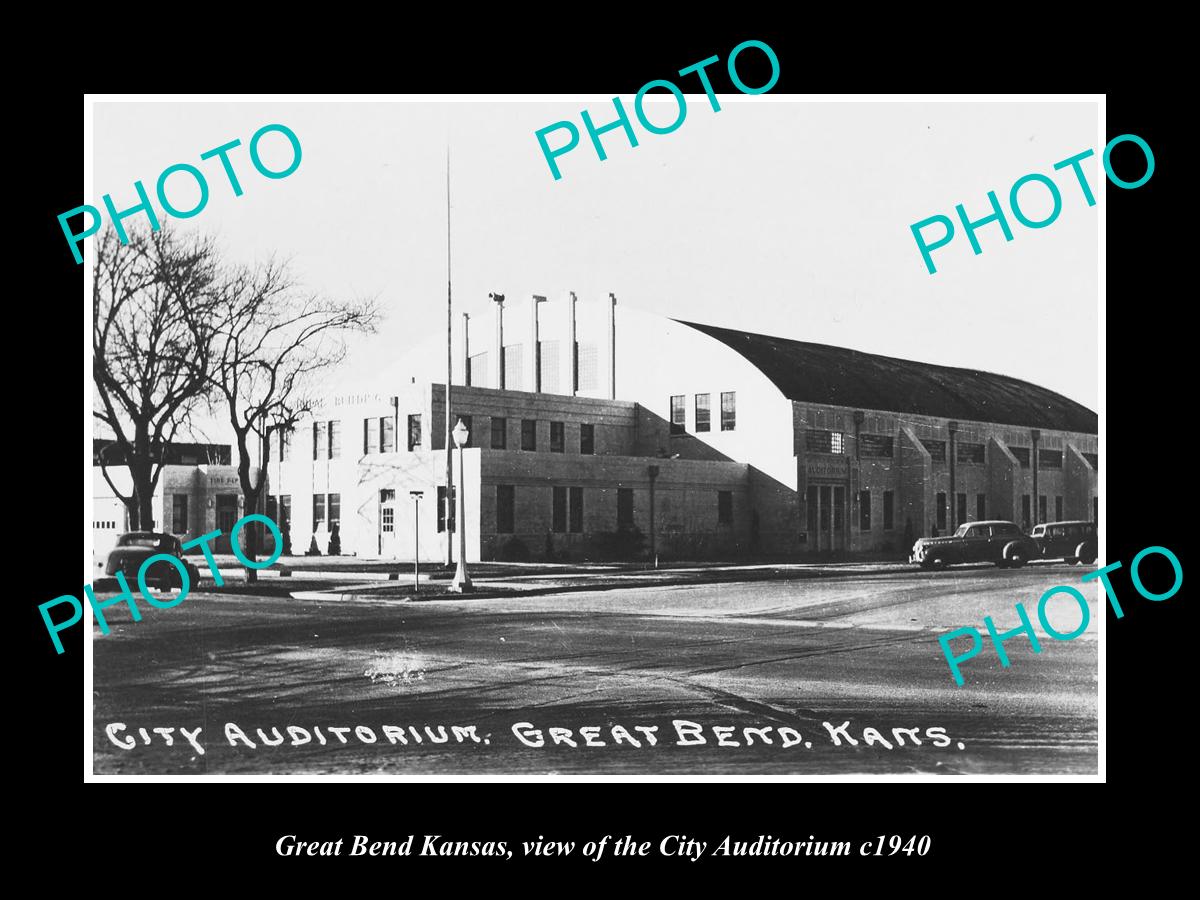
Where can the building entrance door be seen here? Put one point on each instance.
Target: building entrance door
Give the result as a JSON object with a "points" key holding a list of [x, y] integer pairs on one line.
{"points": [[387, 523], [827, 516], [227, 516]]}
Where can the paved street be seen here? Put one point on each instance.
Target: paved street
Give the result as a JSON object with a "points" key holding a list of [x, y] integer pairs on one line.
{"points": [[780, 658]]}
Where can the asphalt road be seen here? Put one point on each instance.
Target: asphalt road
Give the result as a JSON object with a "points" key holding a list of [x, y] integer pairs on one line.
{"points": [[792, 659]]}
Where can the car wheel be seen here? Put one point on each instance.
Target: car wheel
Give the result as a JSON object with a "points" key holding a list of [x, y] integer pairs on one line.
{"points": [[1085, 554], [1015, 555], [1002, 564]]}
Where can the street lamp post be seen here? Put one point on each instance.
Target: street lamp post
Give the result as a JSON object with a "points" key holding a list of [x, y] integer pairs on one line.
{"points": [[462, 581], [652, 471], [416, 495]]}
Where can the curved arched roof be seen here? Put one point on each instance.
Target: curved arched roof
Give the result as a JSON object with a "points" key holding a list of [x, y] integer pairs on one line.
{"points": [[818, 373]]}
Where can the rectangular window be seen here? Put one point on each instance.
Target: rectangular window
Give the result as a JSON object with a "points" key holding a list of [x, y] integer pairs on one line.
{"points": [[285, 509], [1041, 507], [499, 433], [1026, 512], [702, 412], [587, 439], [1049, 459], [576, 510], [529, 434], [387, 519], [179, 511], [971, 453], [1022, 455], [548, 361], [825, 442], [839, 508], [558, 437], [370, 437], [937, 449], [559, 512], [387, 434], [441, 510], [477, 370], [320, 440], [678, 415], [504, 508], [728, 410], [876, 445], [335, 440], [318, 511], [941, 513], [812, 510], [335, 509], [1093, 460], [273, 508], [864, 510], [724, 507], [589, 366], [960, 508], [285, 444], [624, 508], [981, 506], [512, 368], [889, 510], [1058, 509], [414, 432]]}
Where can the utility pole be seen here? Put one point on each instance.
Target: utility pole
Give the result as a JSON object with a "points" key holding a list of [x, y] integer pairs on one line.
{"points": [[449, 511]]}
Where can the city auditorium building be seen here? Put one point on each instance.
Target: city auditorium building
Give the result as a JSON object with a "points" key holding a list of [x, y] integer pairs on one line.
{"points": [[588, 419]]}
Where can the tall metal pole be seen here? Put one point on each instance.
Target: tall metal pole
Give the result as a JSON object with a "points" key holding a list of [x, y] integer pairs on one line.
{"points": [[416, 542], [449, 512]]}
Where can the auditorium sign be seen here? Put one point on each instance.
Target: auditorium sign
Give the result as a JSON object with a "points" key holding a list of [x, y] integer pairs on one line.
{"points": [[826, 468]]}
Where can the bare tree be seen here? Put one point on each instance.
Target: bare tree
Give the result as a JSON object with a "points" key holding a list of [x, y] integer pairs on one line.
{"points": [[272, 338], [151, 342]]}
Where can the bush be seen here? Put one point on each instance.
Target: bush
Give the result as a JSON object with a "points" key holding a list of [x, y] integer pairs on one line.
{"points": [[313, 549], [514, 550], [622, 544], [286, 533], [335, 542]]}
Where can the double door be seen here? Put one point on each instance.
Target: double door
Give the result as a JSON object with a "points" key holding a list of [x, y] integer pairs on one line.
{"points": [[827, 516]]}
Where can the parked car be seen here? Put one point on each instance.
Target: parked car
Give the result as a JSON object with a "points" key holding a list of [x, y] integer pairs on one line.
{"points": [[997, 542], [133, 548], [1070, 541]]}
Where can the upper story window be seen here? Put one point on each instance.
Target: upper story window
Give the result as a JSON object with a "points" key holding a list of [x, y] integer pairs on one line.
{"points": [[370, 436], [320, 440], [703, 413], [825, 442], [1093, 459], [587, 439], [414, 432], [499, 433], [936, 449], [1049, 459], [971, 453], [678, 414], [529, 434], [876, 445], [557, 437], [285, 444], [335, 440], [1022, 455], [387, 434], [728, 410]]}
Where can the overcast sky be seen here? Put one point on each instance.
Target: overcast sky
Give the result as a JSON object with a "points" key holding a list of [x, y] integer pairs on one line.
{"points": [[772, 215]]}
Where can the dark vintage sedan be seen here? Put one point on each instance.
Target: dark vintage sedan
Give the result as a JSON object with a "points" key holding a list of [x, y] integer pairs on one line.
{"points": [[1002, 543], [135, 547], [1069, 541]]}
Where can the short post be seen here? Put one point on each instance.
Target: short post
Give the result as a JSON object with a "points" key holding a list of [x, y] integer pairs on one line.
{"points": [[416, 495], [652, 471]]}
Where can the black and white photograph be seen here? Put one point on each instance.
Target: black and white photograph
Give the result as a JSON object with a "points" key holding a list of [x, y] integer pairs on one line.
{"points": [[684, 434]]}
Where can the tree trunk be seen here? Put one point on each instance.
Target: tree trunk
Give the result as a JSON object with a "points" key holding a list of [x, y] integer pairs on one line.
{"points": [[140, 469], [250, 494]]}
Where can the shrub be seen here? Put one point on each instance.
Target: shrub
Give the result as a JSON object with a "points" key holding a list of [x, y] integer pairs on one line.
{"points": [[286, 534], [313, 549], [335, 542], [514, 550], [622, 544]]}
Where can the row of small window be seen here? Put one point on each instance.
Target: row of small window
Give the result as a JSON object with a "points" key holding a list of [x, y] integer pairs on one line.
{"points": [[379, 436], [838, 501], [326, 509], [981, 509], [703, 420], [107, 524], [566, 514], [882, 446]]}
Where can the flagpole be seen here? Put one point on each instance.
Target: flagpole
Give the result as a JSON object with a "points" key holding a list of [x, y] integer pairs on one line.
{"points": [[449, 508]]}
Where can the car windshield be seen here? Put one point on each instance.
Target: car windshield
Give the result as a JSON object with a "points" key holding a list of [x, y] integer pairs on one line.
{"points": [[141, 540], [962, 530]]}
